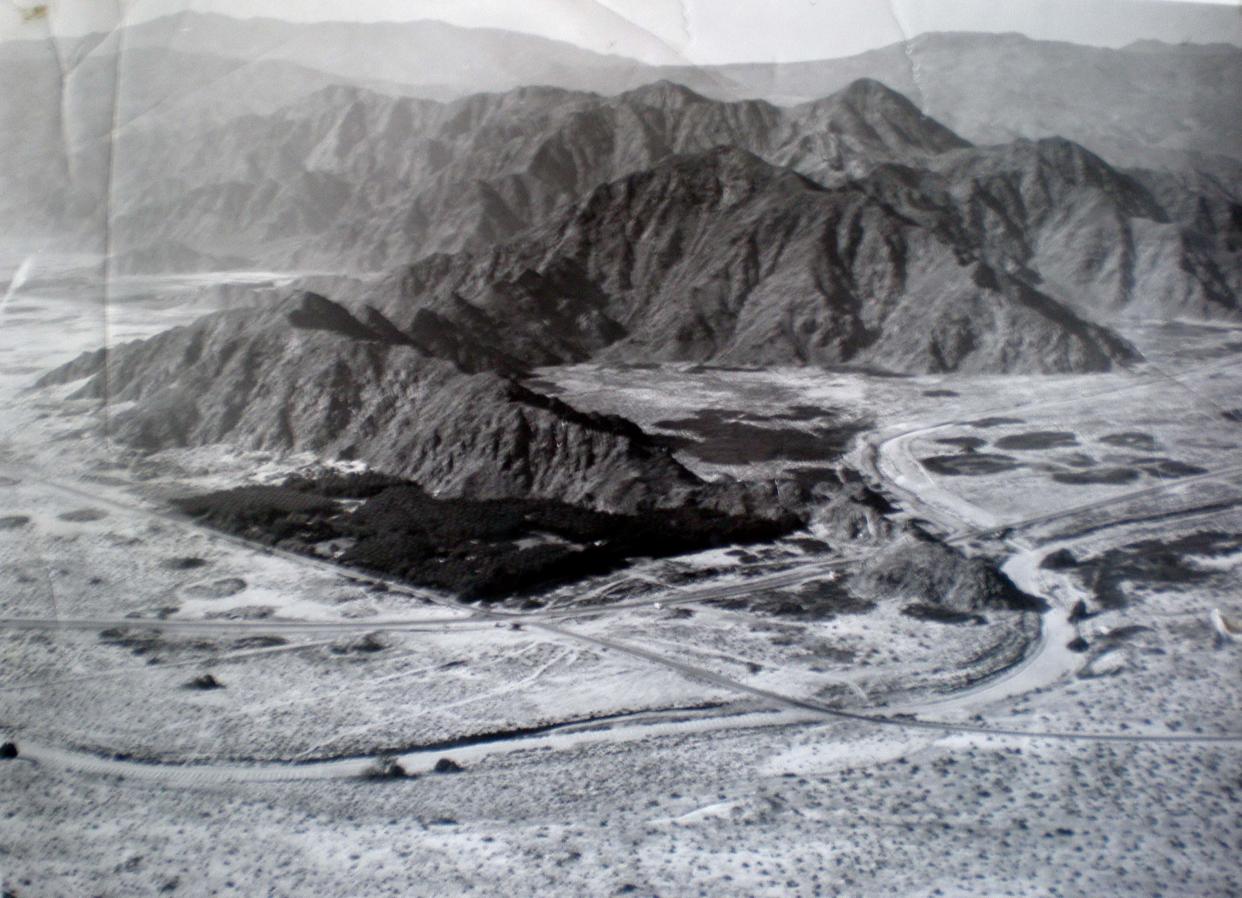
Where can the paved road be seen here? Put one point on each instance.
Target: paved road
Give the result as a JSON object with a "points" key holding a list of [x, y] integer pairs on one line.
{"points": [[904, 722], [546, 620]]}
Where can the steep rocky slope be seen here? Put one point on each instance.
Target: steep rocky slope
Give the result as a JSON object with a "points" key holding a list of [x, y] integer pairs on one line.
{"points": [[1097, 238], [722, 257], [307, 375]]}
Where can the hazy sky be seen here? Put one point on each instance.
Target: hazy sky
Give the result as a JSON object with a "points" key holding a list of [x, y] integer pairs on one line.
{"points": [[710, 31]]}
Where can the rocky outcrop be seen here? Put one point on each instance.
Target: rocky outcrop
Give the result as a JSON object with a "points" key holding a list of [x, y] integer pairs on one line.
{"points": [[920, 569], [852, 512]]}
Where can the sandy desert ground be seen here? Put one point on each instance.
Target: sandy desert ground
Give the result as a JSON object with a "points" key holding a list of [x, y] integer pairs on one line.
{"points": [[653, 732]]}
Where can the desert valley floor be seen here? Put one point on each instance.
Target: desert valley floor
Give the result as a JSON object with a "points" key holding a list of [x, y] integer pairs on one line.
{"points": [[667, 729]]}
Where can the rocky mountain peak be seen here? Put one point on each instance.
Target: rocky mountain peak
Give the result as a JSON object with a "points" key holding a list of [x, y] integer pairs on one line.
{"points": [[870, 111], [664, 94], [870, 92]]}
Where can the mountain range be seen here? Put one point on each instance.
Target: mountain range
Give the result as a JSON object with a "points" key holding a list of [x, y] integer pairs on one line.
{"points": [[304, 374], [462, 242], [478, 194], [988, 87], [108, 105], [722, 257]]}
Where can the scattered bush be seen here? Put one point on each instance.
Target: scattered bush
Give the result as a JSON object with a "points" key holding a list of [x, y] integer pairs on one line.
{"points": [[216, 589], [367, 644], [385, 767], [1079, 612], [205, 682], [83, 515], [1169, 564]]}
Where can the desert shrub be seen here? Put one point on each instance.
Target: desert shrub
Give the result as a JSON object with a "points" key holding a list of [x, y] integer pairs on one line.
{"points": [[385, 767], [204, 682], [184, 563], [1060, 560], [447, 765], [940, 615]]}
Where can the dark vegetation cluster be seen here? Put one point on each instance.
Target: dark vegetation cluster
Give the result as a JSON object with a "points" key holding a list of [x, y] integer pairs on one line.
{"points": [[1151, 562], [737, 437], [1038, 439], [204, 683], [153, 645], [183, 563], [1082, 470], [478, 549], [970, 464]]}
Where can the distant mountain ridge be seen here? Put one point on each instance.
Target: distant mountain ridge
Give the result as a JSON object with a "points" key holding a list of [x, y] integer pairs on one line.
{"points": [[1150, 105], [1138, 105], [1156, 105], [214, 81], [350, 180]]}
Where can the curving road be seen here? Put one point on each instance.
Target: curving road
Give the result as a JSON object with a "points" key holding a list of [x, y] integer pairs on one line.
{"points": [[1044, 664]]}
